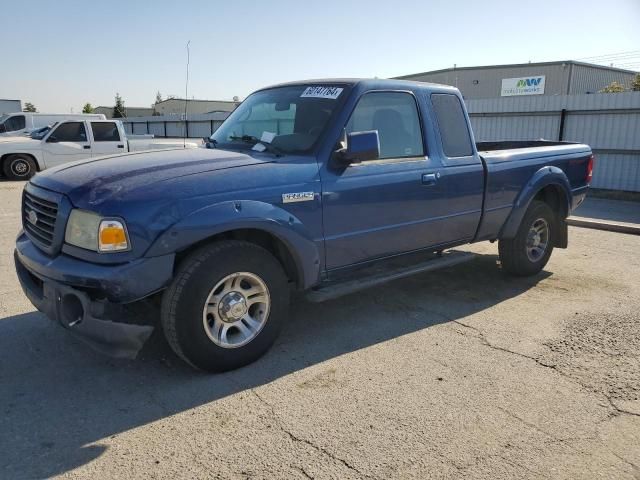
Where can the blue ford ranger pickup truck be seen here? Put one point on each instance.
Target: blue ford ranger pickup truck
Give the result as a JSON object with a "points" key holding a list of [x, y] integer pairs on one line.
{"points": [[311, 186]]}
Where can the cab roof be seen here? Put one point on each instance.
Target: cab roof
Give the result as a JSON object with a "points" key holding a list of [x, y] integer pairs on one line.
{"points": [[371, 83]]}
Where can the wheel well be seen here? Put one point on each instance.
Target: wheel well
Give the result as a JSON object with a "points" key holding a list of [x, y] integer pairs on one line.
{"points": [[553, 196], [4, 157], [262, 238]]}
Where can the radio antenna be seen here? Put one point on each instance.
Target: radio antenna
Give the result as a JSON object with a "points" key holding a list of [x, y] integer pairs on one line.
{"points": [[186, 100]]}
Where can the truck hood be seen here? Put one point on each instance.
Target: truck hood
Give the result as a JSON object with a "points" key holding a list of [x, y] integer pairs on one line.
{"points": [[18, 142], [98, 180]]}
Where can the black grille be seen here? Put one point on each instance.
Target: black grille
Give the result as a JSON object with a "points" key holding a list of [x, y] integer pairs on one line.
{"points": [[44, 212]]}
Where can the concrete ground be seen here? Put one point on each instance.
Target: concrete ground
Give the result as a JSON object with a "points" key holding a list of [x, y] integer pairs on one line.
{"points": [[462, 373], [609, 210]]}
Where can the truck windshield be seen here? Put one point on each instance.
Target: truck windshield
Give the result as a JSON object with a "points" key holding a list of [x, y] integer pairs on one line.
{"points": [[290, 119]]}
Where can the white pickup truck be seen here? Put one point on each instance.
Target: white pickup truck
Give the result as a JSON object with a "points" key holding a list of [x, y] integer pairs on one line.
{"points": [[22, 157]]}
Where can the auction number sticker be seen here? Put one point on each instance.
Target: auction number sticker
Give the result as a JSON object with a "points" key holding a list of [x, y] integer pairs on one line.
{"points": [[322, 92]]}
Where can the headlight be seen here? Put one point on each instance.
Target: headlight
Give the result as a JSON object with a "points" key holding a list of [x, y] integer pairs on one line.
{"points": [[89, 230]]}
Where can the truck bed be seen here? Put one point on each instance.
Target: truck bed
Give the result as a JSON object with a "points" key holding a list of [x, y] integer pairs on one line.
{"points": [[511, 164], [510, 151], [514, 144]]}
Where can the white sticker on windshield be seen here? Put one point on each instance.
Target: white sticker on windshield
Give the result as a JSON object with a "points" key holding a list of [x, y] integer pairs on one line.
{"points": [[322, 92], [267, 137]]}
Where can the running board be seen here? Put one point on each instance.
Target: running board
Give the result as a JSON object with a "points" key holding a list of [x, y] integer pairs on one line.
{"points": [[353, 284]]}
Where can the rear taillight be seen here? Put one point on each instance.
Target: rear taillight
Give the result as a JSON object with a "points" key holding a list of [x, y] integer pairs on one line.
{"points": [[590, 168]]}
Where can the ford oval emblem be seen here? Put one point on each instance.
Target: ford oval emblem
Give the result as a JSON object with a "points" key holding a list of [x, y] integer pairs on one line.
{"points": [[32, 216]]}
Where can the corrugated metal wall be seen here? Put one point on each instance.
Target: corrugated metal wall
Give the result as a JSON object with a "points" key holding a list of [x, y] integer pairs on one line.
{"points": [[199, 125], [589, 79], [609, 123]]}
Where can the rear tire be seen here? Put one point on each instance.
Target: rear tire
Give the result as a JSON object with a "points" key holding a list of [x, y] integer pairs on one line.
{"points": [[529, 251], [19, 167], [226, 305]]}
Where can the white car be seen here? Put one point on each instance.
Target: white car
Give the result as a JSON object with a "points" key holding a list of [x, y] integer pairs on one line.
{"points": [[22, 157], [20, 123]]}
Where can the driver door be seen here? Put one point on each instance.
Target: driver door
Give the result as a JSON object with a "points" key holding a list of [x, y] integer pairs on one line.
{"points": [[66, 143], [381, 207]]}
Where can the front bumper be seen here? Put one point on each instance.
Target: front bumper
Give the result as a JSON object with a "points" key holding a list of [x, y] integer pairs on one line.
{"points": [[120, 283], [87, 299]]}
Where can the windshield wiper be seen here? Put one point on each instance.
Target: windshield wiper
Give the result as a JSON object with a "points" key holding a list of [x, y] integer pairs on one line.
{"points": [[250, 139]]}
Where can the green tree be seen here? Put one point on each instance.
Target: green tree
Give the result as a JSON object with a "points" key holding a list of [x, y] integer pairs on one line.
{"points": [[88, 108], [29, 107], [118, 108], [613, 87], [158, 100], [635, 84]]}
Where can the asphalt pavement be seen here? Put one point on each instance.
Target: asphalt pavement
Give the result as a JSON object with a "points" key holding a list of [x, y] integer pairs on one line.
{"points": [[460, 373]]}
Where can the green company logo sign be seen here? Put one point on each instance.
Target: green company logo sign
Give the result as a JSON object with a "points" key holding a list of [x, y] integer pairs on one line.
{"points": [[533, 85], [529, 82]]}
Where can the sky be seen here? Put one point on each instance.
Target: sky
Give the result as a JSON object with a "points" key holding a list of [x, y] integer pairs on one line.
{"points": [[61, 54]]}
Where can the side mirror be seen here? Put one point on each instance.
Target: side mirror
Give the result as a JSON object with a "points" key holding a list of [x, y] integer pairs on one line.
{"points": [[3, 129], [52, 139], [361, 146]]}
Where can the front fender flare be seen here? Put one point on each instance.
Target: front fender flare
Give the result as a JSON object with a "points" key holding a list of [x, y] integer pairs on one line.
{"points": [[542, 178], [244, 214]]}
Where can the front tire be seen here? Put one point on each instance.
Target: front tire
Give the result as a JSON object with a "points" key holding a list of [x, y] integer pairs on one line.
{"points": [[529, 251], [226, 305], [19, 167]]}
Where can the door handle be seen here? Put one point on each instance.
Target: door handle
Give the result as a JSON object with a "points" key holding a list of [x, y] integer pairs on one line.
{"points": [[87, 147], [429, 179], [120, 146]]}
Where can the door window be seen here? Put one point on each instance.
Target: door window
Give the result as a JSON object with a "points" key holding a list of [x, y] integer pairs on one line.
{"points": [[15, 123], [105, 132], [395, 116], [69, 132]]}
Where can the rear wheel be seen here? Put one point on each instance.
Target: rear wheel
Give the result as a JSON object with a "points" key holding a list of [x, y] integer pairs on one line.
{"points": [[226, 305], [19, 167], [529, 251]]}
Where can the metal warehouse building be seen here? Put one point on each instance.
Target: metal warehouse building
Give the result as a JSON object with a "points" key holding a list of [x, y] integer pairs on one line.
{"points": [[10, 106], [175, 106], [548, 78]]}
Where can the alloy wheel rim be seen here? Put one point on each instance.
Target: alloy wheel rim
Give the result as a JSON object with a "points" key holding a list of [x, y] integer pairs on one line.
{"points": [[236, 310], [537, 240], [20, 168]]}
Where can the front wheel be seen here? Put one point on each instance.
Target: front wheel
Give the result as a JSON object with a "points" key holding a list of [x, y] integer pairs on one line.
{"points": [[529, 251], [226, 305], [19, 167]]}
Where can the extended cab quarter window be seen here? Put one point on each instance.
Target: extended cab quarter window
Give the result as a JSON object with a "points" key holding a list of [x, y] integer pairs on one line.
{"points": [[395, 116], [105, 132], [454, 131], [69, 132], [15, 123]]}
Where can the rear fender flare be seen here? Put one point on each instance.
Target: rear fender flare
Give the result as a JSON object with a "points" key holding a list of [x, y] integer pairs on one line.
{"points": [[245, 214], [542, 178]]}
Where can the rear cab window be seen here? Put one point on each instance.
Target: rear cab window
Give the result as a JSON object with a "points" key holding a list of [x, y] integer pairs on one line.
{"points": [[452, 124], [394, 115], [105, 132]]}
